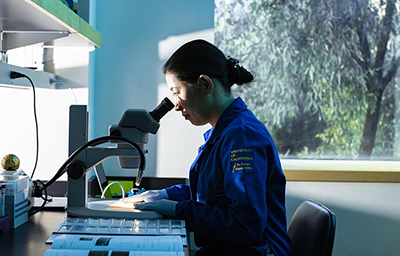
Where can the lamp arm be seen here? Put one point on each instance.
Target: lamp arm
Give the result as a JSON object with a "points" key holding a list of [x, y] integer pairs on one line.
{"points": [[96, 142]]}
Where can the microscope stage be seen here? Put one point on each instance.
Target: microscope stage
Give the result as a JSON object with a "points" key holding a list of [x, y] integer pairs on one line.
{"points": [[112, 209]]}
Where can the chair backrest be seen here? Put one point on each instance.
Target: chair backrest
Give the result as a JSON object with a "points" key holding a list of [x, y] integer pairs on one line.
{"points": [[312, 229]]}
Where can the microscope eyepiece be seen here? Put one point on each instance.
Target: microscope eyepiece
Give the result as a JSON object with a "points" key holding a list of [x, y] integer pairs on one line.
{"points": [[162, 109]]}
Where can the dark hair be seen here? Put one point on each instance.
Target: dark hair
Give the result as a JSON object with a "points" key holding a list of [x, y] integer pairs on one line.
{"points": [[201, 57]]}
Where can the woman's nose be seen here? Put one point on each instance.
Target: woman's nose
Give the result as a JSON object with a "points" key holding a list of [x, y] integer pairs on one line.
{"points": [[178, 106]]}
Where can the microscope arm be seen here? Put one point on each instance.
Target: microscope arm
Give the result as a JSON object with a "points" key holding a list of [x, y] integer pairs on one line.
{"points": [[76, 169], [95, 155]]}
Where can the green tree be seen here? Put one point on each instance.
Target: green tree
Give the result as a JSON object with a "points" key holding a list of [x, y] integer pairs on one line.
{"points": [[331, 61]]}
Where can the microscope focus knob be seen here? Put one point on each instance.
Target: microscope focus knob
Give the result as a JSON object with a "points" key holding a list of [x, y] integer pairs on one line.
{"points": [[76, 170]]}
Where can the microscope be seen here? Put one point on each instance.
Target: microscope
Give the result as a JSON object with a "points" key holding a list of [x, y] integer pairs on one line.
{"points": [[129, 136]]}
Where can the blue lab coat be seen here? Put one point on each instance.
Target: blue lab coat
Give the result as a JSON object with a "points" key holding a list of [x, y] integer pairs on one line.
{"points": [[236, 199]]}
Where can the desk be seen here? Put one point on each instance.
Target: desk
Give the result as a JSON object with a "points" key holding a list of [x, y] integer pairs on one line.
{"points": [[30, 238]]}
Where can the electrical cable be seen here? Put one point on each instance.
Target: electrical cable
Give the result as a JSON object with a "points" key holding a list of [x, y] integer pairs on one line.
{"points": [[54, 81], [15, 75], [109, 185], [45, 200], [71, 90]]}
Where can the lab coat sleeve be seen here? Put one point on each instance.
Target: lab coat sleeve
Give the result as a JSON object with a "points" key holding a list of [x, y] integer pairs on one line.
{"points": [[178, 192], [244, 156]]}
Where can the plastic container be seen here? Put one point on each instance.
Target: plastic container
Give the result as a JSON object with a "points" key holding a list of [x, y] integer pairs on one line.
{"points": [[16, 198]]}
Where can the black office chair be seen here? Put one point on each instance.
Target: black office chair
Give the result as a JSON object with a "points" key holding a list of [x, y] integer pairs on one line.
{"points": [[312, 230]]}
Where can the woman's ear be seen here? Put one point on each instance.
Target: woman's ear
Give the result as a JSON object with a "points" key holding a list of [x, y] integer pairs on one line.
{"points": [[208, 83]]}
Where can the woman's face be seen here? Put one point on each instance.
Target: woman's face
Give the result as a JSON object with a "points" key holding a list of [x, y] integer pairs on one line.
{"points": [[190, 101]]}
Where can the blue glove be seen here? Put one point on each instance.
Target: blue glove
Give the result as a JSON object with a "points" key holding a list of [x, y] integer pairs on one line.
{"points": [[163, 206], [148, 196]]}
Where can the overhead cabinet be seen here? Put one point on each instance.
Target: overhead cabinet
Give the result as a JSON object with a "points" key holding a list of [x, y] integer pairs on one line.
{"points": [[26, 22], [51, 22]]}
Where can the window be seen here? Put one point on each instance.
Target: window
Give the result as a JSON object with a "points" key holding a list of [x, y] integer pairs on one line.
{"points": [[326, 84]]}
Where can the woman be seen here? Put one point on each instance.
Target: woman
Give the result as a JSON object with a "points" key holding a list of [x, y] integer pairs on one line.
{"points": [[235, 204]]}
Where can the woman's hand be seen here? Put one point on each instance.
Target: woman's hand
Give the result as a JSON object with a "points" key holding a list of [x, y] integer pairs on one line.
{"points": [[163, 206], [148, 196]]}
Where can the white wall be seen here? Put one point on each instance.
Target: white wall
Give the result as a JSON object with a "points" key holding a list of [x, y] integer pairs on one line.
{"points": [[367, 214], [17, 129], [126, 72], [18, 132]]}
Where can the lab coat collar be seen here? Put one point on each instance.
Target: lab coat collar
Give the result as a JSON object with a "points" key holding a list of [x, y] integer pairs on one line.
{"points": [[227, 116]]}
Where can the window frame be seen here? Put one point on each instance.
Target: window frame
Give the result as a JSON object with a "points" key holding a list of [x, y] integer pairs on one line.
{"points": [[341, 170]]}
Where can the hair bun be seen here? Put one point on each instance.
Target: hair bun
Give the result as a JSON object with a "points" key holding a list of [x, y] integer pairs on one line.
{"points": [[236, 73]]}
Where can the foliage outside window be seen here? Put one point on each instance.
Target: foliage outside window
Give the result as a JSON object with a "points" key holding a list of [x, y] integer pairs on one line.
{"points": [[326, 85]]}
